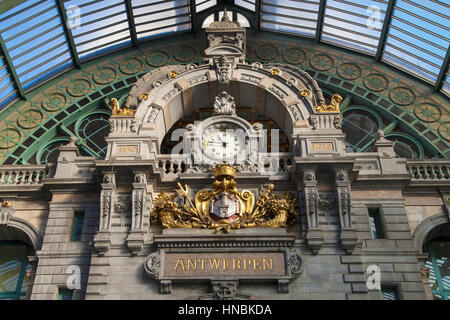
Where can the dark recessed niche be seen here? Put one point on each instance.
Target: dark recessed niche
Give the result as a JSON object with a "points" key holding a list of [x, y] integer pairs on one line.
{"points": [[50, 123], [384, 103], [107, 90], [408, 118], [39, 132], [441, 146], [430, 136], [396, 110], [60, 116], [372, 97], [360, 91], [119, 85], [18, 151], [28, 142], [83, 102], [95, 95], [10, 160], [420, 127], [72, 108], [347, 85], [335, 80], [131, 80]]}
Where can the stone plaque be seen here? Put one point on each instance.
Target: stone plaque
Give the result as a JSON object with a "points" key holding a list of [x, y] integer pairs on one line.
{"points": [[166, 265], [322, 146], [180, 265], [127, 149]]}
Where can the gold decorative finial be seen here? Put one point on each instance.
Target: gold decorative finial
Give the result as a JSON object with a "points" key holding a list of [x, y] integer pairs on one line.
{"points": [[143, 96], [173, 74], [447, 199], [274, 72], [117, 111], [333, 107], [224, 170], [7, 204]]}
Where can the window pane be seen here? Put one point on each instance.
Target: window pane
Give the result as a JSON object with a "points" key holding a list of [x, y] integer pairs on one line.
{"points": [[11, 262], [103, 26], [418, 37], [160, 18], [37, 45], [389, 293], [354, 24], [360, 128], [441, 250], [248, 4], [290, 16], [201, 5]]}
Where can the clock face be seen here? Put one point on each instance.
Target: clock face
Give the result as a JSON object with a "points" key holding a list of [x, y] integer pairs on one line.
{"points": [[223, 144]]}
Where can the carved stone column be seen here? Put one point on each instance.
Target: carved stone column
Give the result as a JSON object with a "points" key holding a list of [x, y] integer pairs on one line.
{"points": [[314, 237], [102, 240], [139, 213], [348, 236]]}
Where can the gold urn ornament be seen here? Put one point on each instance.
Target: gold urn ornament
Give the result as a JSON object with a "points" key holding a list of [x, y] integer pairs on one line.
{"points": [[224, 207]]}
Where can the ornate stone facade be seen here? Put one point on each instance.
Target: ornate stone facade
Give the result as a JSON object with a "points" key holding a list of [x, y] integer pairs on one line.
{"points": [[300, 230]]}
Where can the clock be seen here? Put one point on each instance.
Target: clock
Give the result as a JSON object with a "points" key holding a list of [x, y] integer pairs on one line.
{"points": [[224, 145]]}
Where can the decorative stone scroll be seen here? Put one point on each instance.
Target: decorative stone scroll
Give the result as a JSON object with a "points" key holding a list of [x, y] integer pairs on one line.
{"points": [[168, 265]]}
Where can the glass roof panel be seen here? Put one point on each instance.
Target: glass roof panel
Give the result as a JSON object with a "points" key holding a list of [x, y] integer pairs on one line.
{"points": [[418, 37], [247, 4], [289, 16], [103, 26], [37, 45], [446, 83], [354, 24], [201, 5], [160, 18], [7, 91]]}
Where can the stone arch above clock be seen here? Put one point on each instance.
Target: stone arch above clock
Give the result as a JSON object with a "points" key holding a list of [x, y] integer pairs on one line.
{"points": [[287, 97], [286, 94]]}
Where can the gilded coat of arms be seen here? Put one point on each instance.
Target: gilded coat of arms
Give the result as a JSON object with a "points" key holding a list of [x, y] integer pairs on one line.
{"points": [[224, 207]]}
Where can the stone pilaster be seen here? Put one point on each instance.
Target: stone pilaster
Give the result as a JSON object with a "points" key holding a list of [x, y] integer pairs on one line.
{"points": [[102, 240], [140, 214], [348, 236], [314, 237]]}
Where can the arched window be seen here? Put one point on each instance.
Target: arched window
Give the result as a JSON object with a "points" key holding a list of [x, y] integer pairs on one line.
{"points": [[405, 146], [439, 265], [49, 153], [14, 266], [361, 129], [93, 129]]}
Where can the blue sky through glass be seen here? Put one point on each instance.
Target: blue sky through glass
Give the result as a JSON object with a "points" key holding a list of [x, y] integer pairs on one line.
{"points": [[417, 40]]}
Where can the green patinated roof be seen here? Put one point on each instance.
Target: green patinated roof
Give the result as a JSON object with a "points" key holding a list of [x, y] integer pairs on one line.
{"points": [[51, 111]]}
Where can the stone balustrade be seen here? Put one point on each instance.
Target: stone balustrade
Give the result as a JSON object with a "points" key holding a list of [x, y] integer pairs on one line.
{"points": [[172, 164], [429, 170], [23, 174]]}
